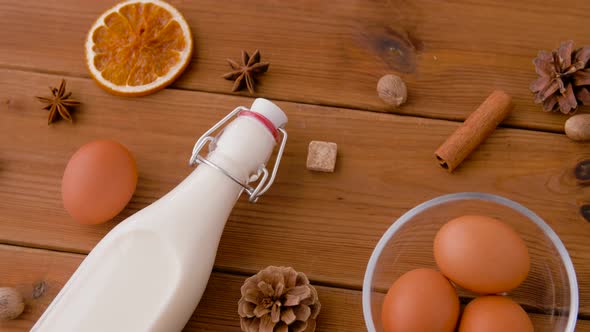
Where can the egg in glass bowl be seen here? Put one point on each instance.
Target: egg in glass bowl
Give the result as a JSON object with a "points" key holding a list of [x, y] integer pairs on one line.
{"points": [[548, 293]]}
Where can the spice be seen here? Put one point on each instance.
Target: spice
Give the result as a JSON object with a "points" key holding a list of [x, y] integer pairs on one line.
{"points": [[58, 103], [578, 127], [39, 289], [564, 78], [476, 128], [246, 72], [392, 90], [278, 299], [585, 211], [11, 303], [582, 172]]}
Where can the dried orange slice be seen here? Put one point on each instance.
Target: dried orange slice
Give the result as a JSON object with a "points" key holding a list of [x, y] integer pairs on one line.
{"points": [[138, 47]]}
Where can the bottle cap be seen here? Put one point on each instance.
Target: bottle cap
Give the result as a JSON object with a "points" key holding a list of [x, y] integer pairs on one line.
{"points": [[270, 111]]}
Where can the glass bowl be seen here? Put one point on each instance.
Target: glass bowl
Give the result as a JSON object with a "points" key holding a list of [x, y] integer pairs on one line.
{"points": [[549, 294]]}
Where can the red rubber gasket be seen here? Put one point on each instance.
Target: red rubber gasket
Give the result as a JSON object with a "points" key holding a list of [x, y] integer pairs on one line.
{"points": [[266, 122]]}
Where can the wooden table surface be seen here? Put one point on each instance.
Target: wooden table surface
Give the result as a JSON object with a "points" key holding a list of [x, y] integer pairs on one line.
{"points": [[326, 58]]}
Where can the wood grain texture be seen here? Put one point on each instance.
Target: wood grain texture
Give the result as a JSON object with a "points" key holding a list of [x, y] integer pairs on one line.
{"points": [[24, 268], [325, 225], [451, 54]]}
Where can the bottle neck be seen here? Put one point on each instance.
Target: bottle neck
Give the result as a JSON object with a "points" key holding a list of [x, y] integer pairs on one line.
{"points": [[243, 147]]}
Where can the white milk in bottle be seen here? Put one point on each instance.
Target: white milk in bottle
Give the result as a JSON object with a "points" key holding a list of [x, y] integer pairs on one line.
{"points": [[150, 271]]}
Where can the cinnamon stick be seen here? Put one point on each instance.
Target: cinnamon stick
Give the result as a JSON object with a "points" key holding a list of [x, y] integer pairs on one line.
{"points": [[476, 128]]}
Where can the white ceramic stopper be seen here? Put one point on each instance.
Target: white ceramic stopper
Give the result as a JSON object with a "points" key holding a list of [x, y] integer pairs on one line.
{"points": [[270, 111]]}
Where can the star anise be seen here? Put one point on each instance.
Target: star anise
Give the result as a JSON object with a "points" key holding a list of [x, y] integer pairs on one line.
{"points": [[246, 72], [58, 103], [564, 80]]}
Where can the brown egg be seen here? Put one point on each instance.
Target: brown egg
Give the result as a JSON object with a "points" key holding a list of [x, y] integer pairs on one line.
{"points": [[98, 182], [493, 314], [481, 254], [420, 300]]}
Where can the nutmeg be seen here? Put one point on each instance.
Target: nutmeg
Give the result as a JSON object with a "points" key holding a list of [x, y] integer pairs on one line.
{"points": [[392, 90], [11, 303], [578, 127]]}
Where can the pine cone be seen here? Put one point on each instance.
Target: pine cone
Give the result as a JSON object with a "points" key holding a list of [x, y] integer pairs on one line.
{"points": [[278, 299], [564, 78]]}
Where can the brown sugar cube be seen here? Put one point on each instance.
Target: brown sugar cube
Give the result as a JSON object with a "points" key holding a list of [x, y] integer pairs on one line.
{"points": [[321, 156]]}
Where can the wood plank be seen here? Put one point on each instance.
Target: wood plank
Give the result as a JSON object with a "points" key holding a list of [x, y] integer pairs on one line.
{"points": [[25, 268], [452, 54], [325, 225]]}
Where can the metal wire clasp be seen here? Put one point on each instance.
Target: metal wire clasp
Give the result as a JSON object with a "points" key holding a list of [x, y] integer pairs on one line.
{"points": [[264, 183]]}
